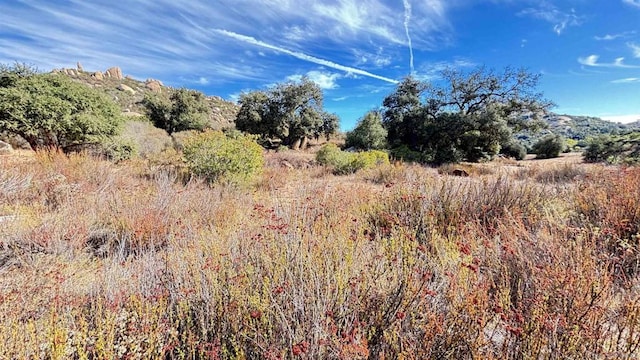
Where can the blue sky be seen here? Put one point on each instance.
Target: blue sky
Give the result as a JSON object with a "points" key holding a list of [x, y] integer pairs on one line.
{"points": [[587, 50]]}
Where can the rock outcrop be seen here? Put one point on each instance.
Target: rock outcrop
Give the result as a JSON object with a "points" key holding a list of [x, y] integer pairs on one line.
{"points": [[126, 88], [98, 75], [153, 85], [114, 72]]}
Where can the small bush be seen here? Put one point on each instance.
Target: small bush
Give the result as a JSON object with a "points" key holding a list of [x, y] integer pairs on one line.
{"points": [[118, 149], [348, 163], [549, 147], [219, 158], [149, 140], [405, 154], [514, 149]]}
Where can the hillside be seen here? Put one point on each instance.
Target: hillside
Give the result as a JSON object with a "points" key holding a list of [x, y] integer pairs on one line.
{"points": [[129, 92], [576, 127]]}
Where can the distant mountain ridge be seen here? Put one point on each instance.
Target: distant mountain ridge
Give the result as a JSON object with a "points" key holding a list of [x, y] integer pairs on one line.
{"points": [[129, 93], [581, 127], [576, 127]]}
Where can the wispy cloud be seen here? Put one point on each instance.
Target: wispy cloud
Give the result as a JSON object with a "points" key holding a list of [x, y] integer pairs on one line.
{"points": [[551, 14], [635, 48], [635, 3], [324, 79], [592, 60], [407, 20], [609, 37], [626, 80], [302, 56], [433, 71]]}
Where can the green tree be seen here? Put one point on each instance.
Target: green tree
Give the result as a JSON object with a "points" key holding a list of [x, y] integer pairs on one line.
{"points": [[291, 113], [549, 147], [369, 133], [184, 109], [468, 118], [614, 149], [52, 111]]}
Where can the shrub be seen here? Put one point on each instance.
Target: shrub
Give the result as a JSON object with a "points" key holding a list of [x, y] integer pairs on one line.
{"points": [[148, 139], [549, 147], [405, 154], [347, 163], [614, 149], [119, 149], [514, 149], [220, 158]]}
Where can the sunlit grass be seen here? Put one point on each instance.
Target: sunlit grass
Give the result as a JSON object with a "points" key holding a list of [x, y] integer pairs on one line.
{"points": [[103, 261]]}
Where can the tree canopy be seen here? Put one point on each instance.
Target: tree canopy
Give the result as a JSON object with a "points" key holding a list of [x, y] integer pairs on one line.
{"points": [[369, 134], [290, 112], [183, 110], [467, 118], [52, 111]]}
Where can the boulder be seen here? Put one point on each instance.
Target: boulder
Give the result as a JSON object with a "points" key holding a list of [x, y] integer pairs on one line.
{"points": [[153, 85], [97, 75], [79, 67], [126, 88], [115, 73], [5, 148]]}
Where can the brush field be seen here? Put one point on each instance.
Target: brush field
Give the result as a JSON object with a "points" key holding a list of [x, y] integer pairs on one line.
{"points": [[519, 260]]}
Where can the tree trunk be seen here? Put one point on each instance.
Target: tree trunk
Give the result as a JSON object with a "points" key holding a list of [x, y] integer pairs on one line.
{"points": [[296, 144], [32, 140]]}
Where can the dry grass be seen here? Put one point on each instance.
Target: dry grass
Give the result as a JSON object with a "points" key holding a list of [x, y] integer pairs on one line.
{"points": [[104, 261]]}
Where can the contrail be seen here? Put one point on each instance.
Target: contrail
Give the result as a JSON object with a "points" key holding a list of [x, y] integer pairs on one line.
{"points": [[302, 56], [407, 19]]}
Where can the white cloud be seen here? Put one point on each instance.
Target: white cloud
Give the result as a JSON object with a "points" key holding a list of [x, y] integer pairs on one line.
{"points": [[592, 60], [407, 20], [432, 71], [626, 80], [635, 3], [635, 48], [324, 80], [609, 37], [625, 119], [301, 56], [551, 14], [203, 81]]}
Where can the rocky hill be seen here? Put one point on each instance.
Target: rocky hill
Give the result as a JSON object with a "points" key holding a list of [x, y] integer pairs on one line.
{"points": [[578, 128], [129, 92]]}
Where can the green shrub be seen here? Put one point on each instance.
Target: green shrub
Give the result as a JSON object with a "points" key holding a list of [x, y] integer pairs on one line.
{"points": [[118, 148], [405, 154], [514, 149], [549, 147], [614, 149], [220, 158], [344, 162]]}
